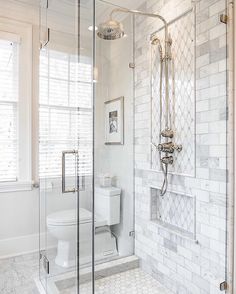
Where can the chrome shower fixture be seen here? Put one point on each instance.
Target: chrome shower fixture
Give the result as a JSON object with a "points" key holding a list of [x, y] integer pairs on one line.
{"points": [[155, 41], [113, 30], [169, 147], [166, 132], [167, 160], [110, 30]]}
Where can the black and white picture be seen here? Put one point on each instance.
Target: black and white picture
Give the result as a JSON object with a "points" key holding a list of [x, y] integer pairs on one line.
{"points": [[114, 120]]}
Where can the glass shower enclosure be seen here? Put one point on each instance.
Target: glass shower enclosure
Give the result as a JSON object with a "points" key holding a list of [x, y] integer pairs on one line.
{"points": [[134, 146]]}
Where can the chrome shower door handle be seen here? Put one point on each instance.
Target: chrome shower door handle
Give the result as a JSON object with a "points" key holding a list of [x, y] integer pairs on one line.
{"points": [[64, 153]]}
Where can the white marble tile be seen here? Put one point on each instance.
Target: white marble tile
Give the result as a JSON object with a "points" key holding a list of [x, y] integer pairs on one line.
{"points": [[17, 274]]}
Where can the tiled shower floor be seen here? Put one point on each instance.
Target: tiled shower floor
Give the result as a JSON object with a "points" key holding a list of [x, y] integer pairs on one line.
{"points": [[133, 281], [18, 275], [130, 282]]}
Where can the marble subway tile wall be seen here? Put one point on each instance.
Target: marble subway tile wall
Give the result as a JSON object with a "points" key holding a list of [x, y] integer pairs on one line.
{"points": [[185, 263]]}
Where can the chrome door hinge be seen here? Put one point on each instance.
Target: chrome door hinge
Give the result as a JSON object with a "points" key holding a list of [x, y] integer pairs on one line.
{"points": [[48, 37], [132, 234], [45, 42], [45, 261], [131, 65], [223, 286], [36, 185], [224, 18]]}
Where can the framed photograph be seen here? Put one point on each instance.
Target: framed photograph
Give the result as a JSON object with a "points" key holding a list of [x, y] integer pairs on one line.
{"points": [[114, 121]]}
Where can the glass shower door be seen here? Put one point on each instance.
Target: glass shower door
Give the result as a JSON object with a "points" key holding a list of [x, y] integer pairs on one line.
{"points": [[65, 149]]}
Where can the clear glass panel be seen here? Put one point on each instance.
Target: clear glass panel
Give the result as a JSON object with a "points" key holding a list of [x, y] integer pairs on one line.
{"points": [[65, 149], [83, 85], [114, 125]]}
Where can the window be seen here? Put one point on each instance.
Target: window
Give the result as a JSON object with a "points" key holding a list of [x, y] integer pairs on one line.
{"points": [[65, 113], [15, 105], [9, 110]]}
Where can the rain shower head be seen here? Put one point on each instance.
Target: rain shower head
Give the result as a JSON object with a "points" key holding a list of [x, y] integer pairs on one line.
{"points": [[110, 30], [113, 29]]}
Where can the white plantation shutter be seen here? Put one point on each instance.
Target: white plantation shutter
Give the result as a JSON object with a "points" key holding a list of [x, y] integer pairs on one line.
{"points": [[65, 113], [9, 55]]}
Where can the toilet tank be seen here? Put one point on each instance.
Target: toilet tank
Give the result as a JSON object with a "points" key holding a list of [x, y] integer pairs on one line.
{"points": [[107, 204]]}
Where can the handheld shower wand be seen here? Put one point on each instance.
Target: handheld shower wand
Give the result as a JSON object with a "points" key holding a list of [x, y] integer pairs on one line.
{"points": [[167, 147]]}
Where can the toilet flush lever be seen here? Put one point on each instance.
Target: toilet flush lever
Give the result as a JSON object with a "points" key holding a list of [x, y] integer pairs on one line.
{"points": [[80, 182]]}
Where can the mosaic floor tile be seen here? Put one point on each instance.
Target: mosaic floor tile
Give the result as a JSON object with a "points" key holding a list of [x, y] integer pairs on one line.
{"points": [[18, 275], [130, 282]]}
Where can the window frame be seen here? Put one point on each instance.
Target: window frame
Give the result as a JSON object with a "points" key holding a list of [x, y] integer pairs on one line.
{"points": [[24, 31]]}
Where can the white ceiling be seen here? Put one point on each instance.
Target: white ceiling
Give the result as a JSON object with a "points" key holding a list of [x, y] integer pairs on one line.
{"points": [[67, 8], [102, 8], [131, 4]]}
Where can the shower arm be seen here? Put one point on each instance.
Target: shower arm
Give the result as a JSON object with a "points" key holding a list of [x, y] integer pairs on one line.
{"points": [[153, 15], [138, 12]]}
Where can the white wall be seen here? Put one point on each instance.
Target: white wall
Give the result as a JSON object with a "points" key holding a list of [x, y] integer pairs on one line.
{"points": [[19, 211], [185, 263], [115, 80]]}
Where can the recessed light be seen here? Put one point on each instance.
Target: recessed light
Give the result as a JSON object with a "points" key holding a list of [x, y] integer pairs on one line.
{"points": [[90, 28]]}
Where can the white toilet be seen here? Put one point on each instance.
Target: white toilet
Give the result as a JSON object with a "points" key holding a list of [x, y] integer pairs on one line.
{"points": [[63, 226]]}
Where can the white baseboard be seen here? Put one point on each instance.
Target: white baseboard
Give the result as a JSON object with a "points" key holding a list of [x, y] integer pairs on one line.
{"points": [[22, 245]]}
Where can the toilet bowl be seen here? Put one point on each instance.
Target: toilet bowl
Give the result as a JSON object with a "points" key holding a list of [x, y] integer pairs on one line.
{"points": [[63, 226]]}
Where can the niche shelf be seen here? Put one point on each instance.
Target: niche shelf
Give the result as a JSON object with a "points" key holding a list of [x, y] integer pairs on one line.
{"points": [[175, 211]]}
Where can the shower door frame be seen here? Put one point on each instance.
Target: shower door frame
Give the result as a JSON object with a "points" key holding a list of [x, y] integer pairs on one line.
{"points": [[232, 146], [231, 150], [93, 141]]}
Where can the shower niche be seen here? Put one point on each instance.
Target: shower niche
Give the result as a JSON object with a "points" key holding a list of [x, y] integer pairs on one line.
{"points": [[175, 211]]}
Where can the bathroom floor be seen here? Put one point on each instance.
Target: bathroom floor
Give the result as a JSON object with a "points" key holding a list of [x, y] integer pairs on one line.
{"points": [[133, 282], [18, 276]]}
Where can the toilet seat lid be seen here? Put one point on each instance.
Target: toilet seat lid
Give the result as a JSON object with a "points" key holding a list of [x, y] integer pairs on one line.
{"points": [[69, 217]]}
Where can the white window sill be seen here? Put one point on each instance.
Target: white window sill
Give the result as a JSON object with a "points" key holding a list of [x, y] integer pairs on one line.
{"points": [[51, 183], [15, 186]]}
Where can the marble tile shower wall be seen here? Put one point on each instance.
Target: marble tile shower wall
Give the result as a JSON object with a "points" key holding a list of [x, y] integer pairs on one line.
{"points": [[182, 264]]}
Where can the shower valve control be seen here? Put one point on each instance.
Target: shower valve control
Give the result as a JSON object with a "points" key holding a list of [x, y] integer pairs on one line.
{"points": [[167, 160], [166, 147], [169, 147]]}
